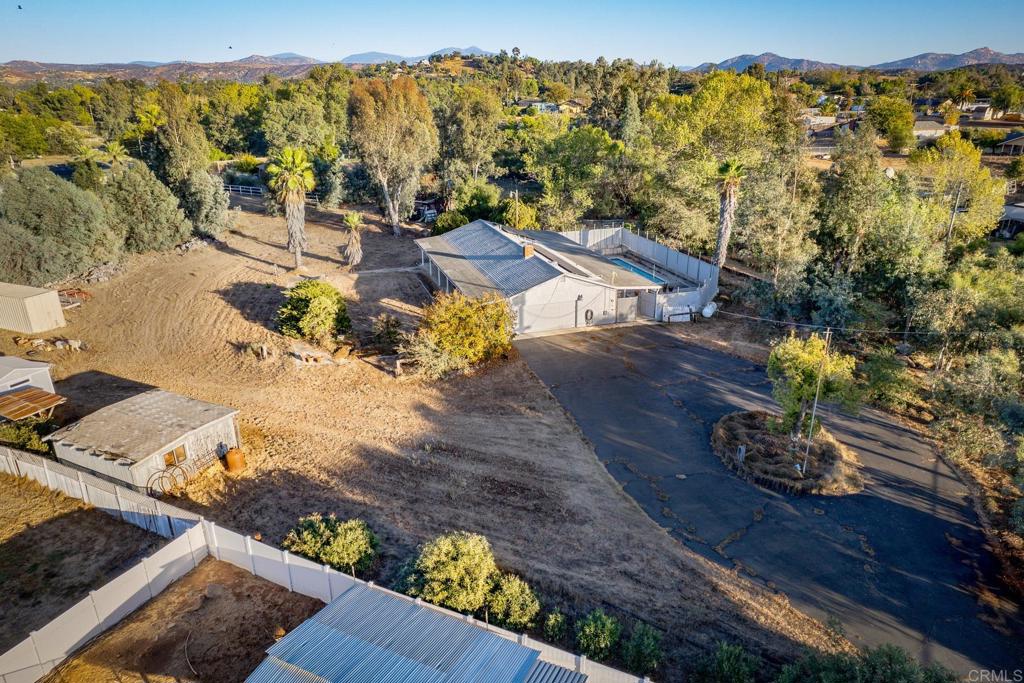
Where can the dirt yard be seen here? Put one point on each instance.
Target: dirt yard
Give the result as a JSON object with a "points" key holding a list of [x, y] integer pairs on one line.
{"points": [[53, 551], [493, 453], [213, 624]]}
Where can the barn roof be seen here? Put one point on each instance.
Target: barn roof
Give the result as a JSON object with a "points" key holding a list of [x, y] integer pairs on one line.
{"points": [[13, 368], [369, 636], [9, 290], [480, 258], [140, 426]]}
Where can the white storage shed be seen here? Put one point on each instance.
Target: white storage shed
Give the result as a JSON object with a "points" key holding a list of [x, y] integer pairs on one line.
{"points": [[150, 442], [16, 373], [29, 309]]}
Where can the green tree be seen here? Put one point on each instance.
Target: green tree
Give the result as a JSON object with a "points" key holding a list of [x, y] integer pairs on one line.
{"points": [[144, 210], [290, 178], [893, 118], [728, 664], [597, 634], [347, 546], [800, 369], [950, 113], [448, 221], [730, 175], [454, 570], [313, 310], [1008, 98], [394, 134], [468, 133], [642, 651], [116, 153], [295, 121], [570, 168], [512, 603], [517, 214], [556, 626]]}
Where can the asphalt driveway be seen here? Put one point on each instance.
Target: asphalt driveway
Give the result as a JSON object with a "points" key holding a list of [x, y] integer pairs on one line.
{"points": [[903, 562]]}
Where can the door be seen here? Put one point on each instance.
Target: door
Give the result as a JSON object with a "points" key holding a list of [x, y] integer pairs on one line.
{"points": [[648, 304], [625, 308]]}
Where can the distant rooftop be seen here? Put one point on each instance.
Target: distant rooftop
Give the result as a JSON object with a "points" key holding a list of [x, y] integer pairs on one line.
{"points": [[369, 636], [140, 426]]}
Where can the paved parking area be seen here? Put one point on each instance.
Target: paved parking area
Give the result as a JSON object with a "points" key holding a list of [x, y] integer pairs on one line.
{"points": [[903, 562]]}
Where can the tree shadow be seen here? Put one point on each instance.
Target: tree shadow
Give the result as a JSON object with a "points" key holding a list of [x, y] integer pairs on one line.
{"points": [[91, 390], [258, 302]]}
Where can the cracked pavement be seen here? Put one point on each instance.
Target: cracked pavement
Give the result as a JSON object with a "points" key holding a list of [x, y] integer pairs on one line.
{"points": [[905, 561]]}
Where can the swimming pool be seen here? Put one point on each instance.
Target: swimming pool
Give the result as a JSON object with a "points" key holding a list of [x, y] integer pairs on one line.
{"points": [[639, 271]]}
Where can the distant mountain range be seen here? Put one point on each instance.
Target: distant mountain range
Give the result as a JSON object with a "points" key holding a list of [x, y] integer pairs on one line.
{"points": [[929, 61], [292, 65]]}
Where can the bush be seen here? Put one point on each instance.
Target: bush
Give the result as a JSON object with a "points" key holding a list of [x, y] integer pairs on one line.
{"points": [[642, 652], [1016, 169], [822, 668], [313, 310], [144, 210], [87, 175], [448, 221], [347, 546], [476, 199], [204, 201], [556, 626], [454, 570], [246, 163], [521, 217], [63, 138], [430, 359], [472, 329], [728, 664], [386, 330], [597, 634], [27, 434], [886, 664], [885, 379], [969, 439], [512, 603], [1016, 515]]}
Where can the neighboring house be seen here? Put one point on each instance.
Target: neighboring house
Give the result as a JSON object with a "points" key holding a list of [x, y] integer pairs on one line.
{"points": [[926, 129], [26, 389], [813, 118], [1011, 223], [29, 309], [552, 282], [150, 442], [366, 634], [572, 107], [1012, 145], [825, 135], [982, 112], [538, 104]]}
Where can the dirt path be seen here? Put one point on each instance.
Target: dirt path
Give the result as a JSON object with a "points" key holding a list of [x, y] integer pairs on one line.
{"points": [[493, 453], [53, 551]]}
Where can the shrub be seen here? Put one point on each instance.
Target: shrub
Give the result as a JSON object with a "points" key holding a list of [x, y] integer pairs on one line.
{"points": [[1016, 516], [87, 175], [476, 199], [512, 603], [386, 330], [969, 439], [1016, 169], [642, 652], [885, 379], [892, 664], [728, 664], [454, 570], [27, 434], [556, 626], [521, 217], [448, 221], [472, 329], [313, 310], [144, 210], [63, 138], [347, 546], [246, 163], [597, 634], [430, 359], [822, 668], [204, 201]]}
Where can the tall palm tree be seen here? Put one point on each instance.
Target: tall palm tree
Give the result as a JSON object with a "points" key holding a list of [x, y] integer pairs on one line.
{"points": [[354, 249], [730, 174], [291, 177], [963, 95], [116, 153]]}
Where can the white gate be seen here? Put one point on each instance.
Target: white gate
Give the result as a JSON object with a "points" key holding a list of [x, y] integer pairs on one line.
{"points": [[625, 308], [648, 304]]}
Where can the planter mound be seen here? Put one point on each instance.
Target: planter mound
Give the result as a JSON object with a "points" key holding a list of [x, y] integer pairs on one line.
{"points": [[769, 459]]}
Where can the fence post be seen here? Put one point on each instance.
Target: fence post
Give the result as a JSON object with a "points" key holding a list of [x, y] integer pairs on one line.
{"points": [[96, 612], [46, 475], [287, 569], [17, 470], [85, 489], [330, 586], [35, 648], [117, 496], [248, 551], [581, 661]]}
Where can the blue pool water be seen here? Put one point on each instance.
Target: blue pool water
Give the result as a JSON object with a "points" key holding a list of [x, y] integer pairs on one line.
{"points": [[639, 271]]}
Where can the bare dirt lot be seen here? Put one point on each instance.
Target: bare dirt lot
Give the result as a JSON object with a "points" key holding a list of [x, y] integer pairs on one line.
{"points": [[53, 551], [214, 624], [493, 453]]}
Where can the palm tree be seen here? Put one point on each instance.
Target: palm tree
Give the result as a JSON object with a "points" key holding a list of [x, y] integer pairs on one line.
{"points": [[116, 153], [291, 177], [730, 173], [354, 249], [963, 95]]}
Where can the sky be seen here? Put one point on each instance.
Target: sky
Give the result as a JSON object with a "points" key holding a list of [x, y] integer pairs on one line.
{"points": [[681, 33]]}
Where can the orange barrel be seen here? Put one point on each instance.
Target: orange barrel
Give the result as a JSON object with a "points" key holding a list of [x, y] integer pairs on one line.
{"points": [[235, 460]]}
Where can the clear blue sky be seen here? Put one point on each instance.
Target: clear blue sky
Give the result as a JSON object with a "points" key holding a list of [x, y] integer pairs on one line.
{"points": [[683, 33]]}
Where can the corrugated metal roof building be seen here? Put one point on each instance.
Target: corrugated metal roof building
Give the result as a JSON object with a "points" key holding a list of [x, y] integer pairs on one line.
{"points": [[368, 636], [29, 309], [549, 281]]}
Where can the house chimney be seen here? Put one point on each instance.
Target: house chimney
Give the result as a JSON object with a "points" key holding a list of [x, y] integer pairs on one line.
{"points": [[527, 250]]}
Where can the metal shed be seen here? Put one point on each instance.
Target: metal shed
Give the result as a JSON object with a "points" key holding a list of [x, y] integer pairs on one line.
{"points": [[29, 309], [150, 442]]}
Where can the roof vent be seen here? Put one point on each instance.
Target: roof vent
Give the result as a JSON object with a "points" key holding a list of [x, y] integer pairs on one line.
{"points": [[527, 250]]}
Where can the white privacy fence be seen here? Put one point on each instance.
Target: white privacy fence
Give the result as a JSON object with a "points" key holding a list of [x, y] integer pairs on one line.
{"points": [[193, 538]]}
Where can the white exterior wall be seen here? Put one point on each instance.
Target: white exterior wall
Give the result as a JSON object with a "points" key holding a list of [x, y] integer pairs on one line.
{"points": [[39, 378], [31, 314], [552, 305], [217, 436]]}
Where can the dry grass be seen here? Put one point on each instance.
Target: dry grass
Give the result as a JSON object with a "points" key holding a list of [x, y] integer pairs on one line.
{"points": [[492, 453], [53, 551], [769, 461], [213, 624]]}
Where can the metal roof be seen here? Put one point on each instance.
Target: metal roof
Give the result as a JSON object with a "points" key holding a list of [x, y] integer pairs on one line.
{"points": [[13, 368], [9, 290], [576, 258], [481, 258], [369, 636], [140, 426]]}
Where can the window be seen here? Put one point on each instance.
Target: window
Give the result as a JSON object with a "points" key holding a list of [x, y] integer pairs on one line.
{"points": [[175, 457]]}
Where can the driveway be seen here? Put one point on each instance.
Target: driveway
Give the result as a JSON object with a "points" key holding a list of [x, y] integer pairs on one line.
{"points": [[903, 562]]}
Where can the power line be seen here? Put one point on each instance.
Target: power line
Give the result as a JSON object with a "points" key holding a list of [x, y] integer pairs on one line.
{"points": [[852, 330]]}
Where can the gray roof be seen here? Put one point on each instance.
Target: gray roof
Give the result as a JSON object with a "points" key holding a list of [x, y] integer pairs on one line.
{"points": [[13, 368], [140, 426], [9, 290], [369, 636], [575, 258], [481, 258]]}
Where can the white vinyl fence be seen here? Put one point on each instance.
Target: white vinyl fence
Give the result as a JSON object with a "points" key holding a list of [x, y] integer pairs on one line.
{"points": [[193, 539]]}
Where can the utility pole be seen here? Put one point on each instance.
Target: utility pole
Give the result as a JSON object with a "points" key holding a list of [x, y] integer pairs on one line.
{"points": [[817, 392], [952, 213], [515, 194]]}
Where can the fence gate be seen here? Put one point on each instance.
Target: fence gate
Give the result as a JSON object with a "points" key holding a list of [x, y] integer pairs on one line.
{"points": [[648, 304], [625, 308]]}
